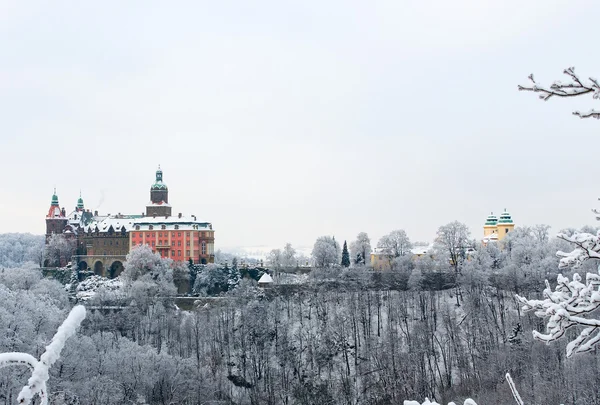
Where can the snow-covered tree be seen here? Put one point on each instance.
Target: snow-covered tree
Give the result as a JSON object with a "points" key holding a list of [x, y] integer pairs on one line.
{"points": [[395, 243], [325, 252], [288, 256], [147, 275], [36, 385], [345, 256], [275, 259], [361, 248], [572, 302], [59, 250], [453, 240], [577, 86], [18, 248]]}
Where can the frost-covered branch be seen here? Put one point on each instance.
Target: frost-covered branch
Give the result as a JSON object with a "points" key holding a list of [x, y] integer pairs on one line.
{"points": [[576, 87], [567, 306], [37, 382], [469, 401], [588, 247]]}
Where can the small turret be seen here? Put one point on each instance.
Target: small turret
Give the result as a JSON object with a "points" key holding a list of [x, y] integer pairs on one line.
{"points": [[80, 206]]}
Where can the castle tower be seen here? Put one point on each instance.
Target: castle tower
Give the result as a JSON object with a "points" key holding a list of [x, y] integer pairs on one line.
{"points": [[56, 219], [491, 225], [505, 224], [80, 206], [159, 198]]}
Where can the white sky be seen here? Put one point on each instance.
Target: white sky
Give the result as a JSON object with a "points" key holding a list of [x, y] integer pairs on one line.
{"points": [[283, 121]]}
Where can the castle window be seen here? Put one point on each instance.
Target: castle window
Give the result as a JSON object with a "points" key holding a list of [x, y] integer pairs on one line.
{"points": [[163, 227], [160, 234], [203, 247], [178, 243], [172, 253], [188, 234], [187, 252], [152, 243], [178, 233], [179, 253], [137, 227], [177, 227], [150, 227], [187, 243], [506, 229], [173, 243]]}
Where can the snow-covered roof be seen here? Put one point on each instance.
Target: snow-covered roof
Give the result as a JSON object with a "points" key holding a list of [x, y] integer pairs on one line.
{"points": [[160, 204], [117, 222], [380, 251], [421, 249], [493, 237], [265, 279], [172, 222]]}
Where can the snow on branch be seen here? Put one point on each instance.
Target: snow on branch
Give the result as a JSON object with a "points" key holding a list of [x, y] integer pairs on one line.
{"points": [[587, 247], [569, 305], [576, 87], [469, 401], [37, 382]]}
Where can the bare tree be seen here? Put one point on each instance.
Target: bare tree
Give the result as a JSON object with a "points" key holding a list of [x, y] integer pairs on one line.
{"points": [[453, 238], [361, 248], [396, 243], [59, 250], [576, 87]]}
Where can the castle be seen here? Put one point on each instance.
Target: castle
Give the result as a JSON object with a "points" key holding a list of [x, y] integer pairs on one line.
{"points": [[103, 242]]}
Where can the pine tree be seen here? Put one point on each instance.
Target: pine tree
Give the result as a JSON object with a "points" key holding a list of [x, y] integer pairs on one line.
{"points": [[345, 256]]}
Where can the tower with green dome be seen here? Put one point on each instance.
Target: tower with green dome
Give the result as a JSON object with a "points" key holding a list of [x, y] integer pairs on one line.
{"points": [[505, 224], [80, 206], [491, 225], [497, 228], [159, 197], [55, 219]]}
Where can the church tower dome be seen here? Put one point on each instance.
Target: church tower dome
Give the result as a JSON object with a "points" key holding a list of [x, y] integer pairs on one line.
{"points": [[80, 206], [56, 219], [159, 197], [505, 224]]}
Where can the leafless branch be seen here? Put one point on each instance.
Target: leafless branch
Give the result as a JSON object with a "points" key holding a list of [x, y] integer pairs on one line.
{"points": [[576, 87]]}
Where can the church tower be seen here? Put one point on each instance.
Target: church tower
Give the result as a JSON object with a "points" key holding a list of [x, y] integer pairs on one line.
{"points": [[56, 220], [159, 198], [491, 225], [505, 225]]}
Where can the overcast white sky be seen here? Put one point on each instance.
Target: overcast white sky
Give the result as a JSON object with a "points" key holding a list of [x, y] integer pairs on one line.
{"points": [[283, 121]]}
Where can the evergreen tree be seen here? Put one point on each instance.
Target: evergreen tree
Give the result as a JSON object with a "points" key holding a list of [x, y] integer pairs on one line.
{"points": [[345, 256]]}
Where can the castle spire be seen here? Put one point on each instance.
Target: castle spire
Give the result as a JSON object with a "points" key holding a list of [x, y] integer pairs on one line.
{"points": [[54, 202], [80, 205]]}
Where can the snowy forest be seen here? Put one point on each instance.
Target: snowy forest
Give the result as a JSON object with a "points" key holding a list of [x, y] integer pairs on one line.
{"points": [[428, 328]]}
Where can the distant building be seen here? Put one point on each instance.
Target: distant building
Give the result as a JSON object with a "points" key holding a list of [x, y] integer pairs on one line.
{"points": [[103, 242], [381, 259], [496, 229]]}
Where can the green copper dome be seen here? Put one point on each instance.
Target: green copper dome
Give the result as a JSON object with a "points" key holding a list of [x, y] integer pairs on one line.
{"points": [[158, 184], [505, 218], [54, 198], [80, 202], [491, 219]]}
